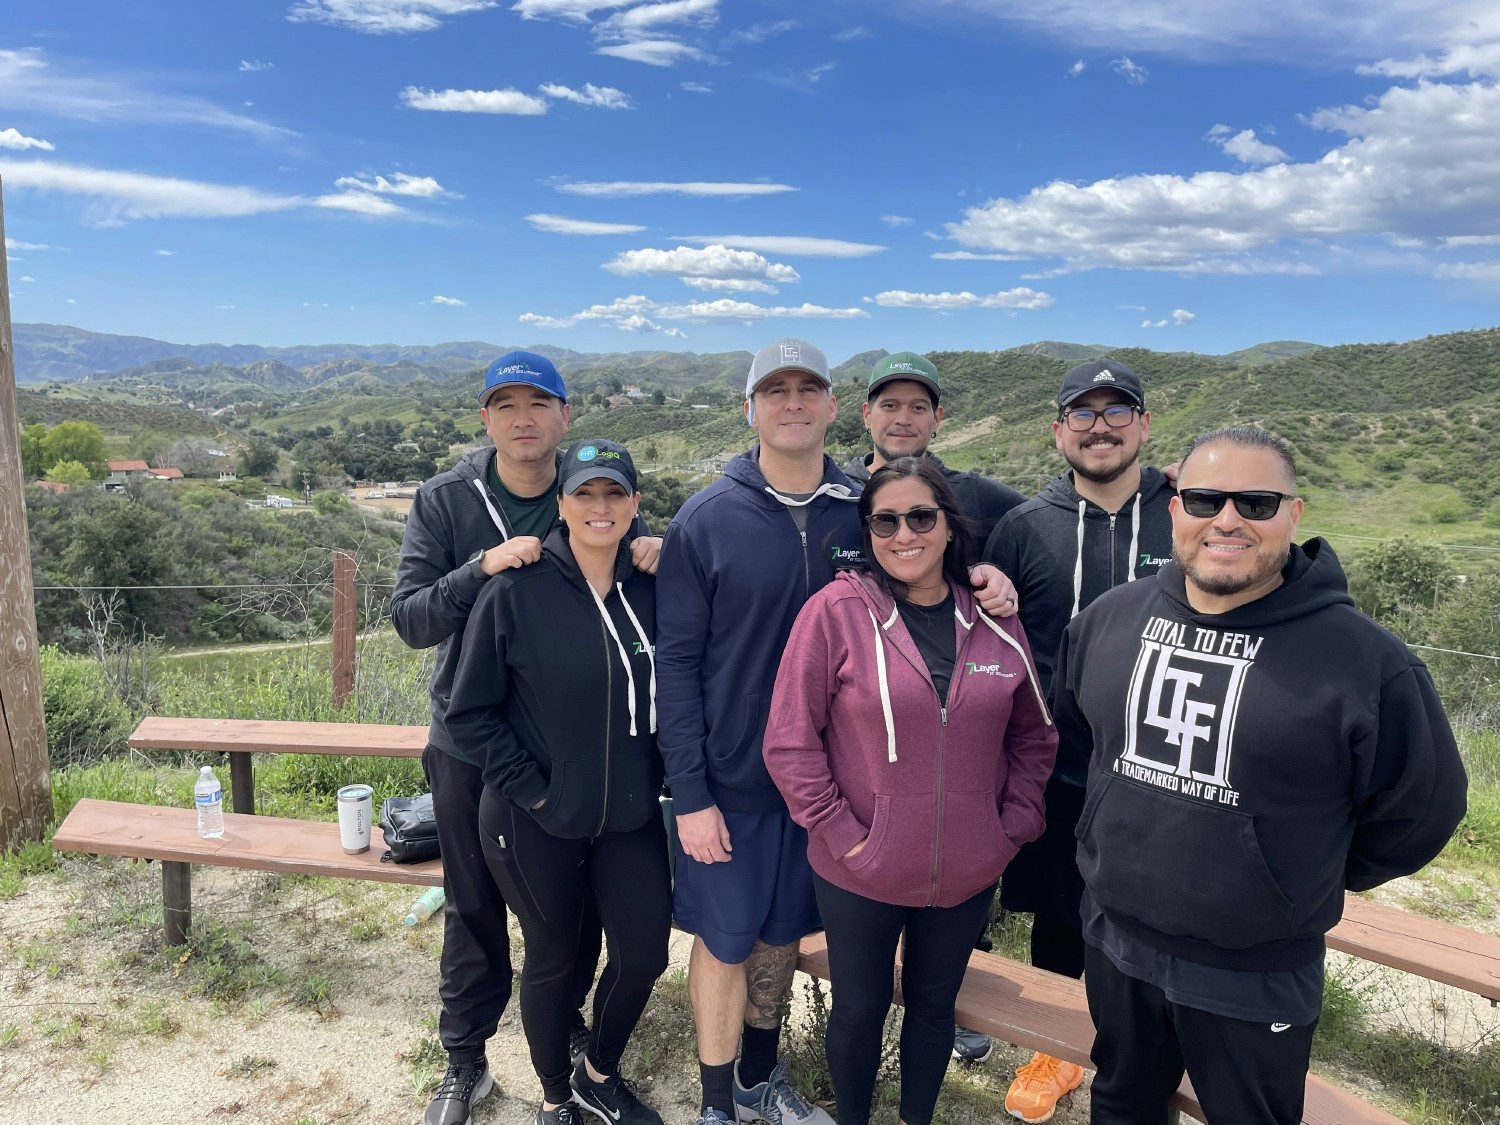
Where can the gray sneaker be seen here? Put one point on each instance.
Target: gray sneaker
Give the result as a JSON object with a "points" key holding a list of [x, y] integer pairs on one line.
{"points": [[711, 1116], [775, 1101], [463, 1084], [971, 1047]]}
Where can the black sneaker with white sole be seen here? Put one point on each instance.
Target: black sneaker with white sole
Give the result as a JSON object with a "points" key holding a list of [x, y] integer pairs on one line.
{"points": [[463, 1084], [565, 1114], [612, 1101]]}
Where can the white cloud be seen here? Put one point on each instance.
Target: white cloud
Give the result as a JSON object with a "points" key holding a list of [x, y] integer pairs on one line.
{"points": [[1075, 70], [121, 195], [575, 11], [1469, 271], [760, 32], [164, 253], [645, 19], [558, 224], [653, 52], [550, 322], [439, 299], [1019, 298], [15, 244], [223, 306], [850, 34], [400, 183], [474, 101], [1477, 60], [795, 245], [729, 284], [636, 187], [27, 277], [71, 301], [1246, 147], [605, 97], [254, 66], [1132, 72], [698, 87], [1153, 324], [710, 261], [970, 256], [726, 308], [384, 17], [14, 138], [1182, 316], [1417, 164], [674, 331], [31, 81], [895, 220]]}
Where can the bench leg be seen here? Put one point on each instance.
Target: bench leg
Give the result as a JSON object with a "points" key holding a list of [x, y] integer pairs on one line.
{"points": [[242, 781], [1174, 1115], [176, 901]]}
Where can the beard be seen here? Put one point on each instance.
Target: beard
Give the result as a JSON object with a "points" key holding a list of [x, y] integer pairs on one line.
{"points": [[1226, 585], [889, 455], [1100, 476]]}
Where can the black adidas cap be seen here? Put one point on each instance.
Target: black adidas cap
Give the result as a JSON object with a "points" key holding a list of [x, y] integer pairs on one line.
{"points": [[1098, 373]]}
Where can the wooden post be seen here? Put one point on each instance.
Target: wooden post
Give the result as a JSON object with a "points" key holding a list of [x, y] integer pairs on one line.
{"points": [[176, 901], [343, 626], [25, 786]]}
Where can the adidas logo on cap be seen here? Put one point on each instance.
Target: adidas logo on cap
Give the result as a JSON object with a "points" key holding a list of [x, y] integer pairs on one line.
{"points": [[1104, 377]]}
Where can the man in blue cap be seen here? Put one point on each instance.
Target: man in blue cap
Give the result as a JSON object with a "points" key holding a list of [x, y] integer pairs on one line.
{"points": [[488, 513]]}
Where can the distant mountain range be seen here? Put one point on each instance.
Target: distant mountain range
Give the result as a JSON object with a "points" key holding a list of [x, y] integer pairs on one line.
{"points": [[60, 353]]}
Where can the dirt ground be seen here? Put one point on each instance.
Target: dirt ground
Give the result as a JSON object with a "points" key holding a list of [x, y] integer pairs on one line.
{"points": [[97, 1025]]}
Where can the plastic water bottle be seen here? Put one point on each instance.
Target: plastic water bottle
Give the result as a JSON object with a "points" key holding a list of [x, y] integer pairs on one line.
{"points": [[209, 800], [428, 904]]}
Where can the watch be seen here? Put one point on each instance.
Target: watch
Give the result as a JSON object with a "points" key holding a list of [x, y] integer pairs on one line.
{"points": [[474, 564]]}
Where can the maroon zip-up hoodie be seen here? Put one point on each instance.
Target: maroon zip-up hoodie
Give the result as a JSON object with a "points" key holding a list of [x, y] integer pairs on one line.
{"points": [[859, 746]]}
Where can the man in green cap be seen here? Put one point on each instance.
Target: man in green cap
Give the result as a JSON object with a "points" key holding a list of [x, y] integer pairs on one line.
{"points": [[902, 413]]}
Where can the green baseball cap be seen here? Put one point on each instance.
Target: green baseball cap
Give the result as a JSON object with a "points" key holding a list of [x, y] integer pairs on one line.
{"points": [[905, 365]]}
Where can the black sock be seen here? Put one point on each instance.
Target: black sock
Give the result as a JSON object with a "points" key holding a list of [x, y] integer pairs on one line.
{"points": [[717, 1091], [758, 1054]]}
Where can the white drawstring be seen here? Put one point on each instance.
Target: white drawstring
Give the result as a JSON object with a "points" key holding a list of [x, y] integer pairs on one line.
{"points": [[484, 494], [832, 491], [885, 691], [1135, 538], [1036, 686], [645, 644], [624, 656], [1078, 564]]}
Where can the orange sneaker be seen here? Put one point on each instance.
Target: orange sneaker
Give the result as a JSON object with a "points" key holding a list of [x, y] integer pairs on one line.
{"points": [[1033, 1095]]}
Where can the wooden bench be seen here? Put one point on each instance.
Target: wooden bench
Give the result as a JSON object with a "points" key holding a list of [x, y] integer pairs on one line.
{"points": [[1044, 1012]]}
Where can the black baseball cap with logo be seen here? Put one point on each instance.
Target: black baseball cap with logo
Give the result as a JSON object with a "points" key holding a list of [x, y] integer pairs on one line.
{"points": [[1099, 374], [591, 458]]}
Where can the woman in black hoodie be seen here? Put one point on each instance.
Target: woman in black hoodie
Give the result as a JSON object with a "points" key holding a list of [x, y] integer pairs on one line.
{"points": [[555, 695]]}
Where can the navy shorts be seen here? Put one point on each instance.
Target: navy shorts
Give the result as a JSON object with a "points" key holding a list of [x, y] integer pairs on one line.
{"points": [[764, 893]]}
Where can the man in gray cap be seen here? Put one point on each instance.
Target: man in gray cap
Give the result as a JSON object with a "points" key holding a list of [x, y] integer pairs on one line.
{"points": [[902, 413]]}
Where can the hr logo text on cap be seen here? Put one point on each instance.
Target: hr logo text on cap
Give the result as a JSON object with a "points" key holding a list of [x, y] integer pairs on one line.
{"points": [[587, 453]]}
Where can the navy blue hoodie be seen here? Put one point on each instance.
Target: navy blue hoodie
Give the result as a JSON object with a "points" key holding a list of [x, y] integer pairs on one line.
{"points": [[1246, 768], [734, 573]]}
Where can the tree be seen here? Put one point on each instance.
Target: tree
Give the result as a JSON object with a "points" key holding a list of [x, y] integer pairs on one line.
{"points": [[74, 441], [33, 463], [70, 472], [1398, 576], [327, 503], [259, 459]]}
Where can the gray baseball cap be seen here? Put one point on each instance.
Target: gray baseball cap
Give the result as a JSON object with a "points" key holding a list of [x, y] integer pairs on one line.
{"points": [[786, 355]]}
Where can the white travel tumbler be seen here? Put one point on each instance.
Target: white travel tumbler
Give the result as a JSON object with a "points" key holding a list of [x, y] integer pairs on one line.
{"points": [[354, 818]]}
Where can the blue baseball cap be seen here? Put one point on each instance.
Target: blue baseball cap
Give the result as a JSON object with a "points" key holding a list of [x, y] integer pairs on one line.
{"points": [[523, 367]]}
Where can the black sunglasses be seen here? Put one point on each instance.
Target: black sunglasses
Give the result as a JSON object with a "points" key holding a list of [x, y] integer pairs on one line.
{"points": [[1201, 503], [883, 525]]}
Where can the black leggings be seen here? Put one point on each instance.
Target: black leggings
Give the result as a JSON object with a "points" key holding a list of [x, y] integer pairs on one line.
{"points": [[547, 883], [862, 938]]}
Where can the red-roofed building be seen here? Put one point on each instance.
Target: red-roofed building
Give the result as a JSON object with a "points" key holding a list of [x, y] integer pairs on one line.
{"points": [[121, 472], [51, 485], [166, 474]]}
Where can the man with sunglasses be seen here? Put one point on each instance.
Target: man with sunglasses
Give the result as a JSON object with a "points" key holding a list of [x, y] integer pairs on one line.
{"points": [[1102, 524], [1256, 747]]}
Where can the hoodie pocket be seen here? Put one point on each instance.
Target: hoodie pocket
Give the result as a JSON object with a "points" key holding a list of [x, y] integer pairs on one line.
{"points": [[976, 849], [892, 865], [747, 734], [1181, 866]]}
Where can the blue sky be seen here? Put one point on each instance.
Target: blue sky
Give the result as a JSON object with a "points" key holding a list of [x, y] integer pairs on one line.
{"points": [[712, 174]]}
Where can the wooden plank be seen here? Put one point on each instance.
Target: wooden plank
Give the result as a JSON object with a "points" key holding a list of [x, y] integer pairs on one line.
{"points": [[259, 843], [1427, 947], [25, 786], [276, 737], [1041, 1011]]}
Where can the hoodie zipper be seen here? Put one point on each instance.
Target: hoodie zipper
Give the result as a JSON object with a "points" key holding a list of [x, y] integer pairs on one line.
{"points": [[806, 564], [1112, 518], [937, 836], [609, 710]]}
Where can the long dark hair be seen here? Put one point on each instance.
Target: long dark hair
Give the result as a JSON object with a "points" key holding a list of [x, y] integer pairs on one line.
{"points": [[961, 552]]}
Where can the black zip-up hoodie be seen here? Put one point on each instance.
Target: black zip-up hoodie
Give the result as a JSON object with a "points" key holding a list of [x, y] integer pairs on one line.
{"points": [[1062, 552], [453, 516], [555, 693], [984, 502], [1246, 768]]}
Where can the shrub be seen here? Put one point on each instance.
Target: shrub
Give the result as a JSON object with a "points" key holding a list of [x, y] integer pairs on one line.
{"points": [[85, 716]]}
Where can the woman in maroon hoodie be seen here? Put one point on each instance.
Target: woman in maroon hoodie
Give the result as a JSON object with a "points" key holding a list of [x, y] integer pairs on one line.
{"points": [[909, 736]]}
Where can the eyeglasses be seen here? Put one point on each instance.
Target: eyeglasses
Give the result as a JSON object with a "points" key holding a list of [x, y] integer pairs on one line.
{"points": [[883, 525], [1115, 417], [1201, 503]]}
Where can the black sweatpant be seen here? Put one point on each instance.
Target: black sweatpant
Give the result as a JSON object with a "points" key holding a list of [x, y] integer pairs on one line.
{"points": [[548, 882], [862, 938], [1244, 1073], [475, 964]]}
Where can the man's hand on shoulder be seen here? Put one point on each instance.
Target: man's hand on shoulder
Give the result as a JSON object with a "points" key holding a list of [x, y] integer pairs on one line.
{"points": [[995, 592], [645, 553], [704, 836], [516, 551]]}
